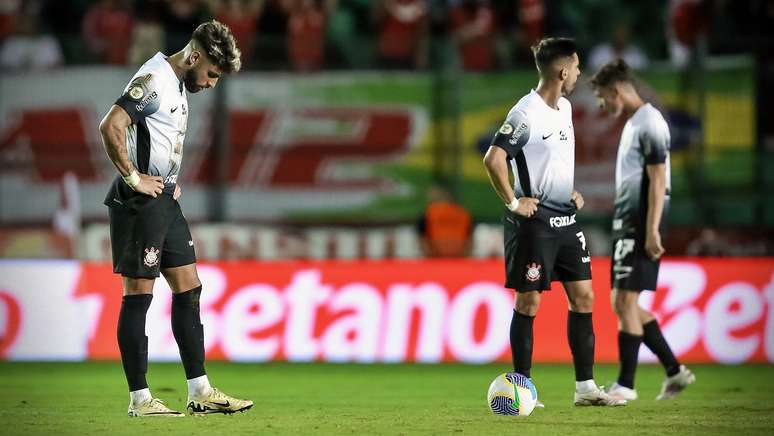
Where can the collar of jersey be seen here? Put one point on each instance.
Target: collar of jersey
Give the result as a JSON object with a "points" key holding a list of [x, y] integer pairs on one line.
{"points": [[538, 96], [170, 70]]}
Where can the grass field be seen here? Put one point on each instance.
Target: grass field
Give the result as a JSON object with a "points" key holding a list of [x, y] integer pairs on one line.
{"points": [[91, 398]]}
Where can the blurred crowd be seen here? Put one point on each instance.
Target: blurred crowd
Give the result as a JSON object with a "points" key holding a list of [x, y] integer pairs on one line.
{"points": [[309, 35]]}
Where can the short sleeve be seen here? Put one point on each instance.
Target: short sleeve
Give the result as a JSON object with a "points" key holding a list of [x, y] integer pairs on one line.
{"points": [[141, 98], [513, 134], [655, 145]]}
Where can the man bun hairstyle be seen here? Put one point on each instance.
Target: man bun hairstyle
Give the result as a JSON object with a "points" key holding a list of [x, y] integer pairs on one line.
{"points": [[611, 73], [215, 39], [550, 49]]}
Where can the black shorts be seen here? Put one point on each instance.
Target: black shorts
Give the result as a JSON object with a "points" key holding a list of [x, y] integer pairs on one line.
{"points": [[149, 235], [630, 267], [544, 248]]}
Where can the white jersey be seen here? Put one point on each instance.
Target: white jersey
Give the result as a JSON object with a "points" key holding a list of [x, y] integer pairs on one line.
{"points": [[644, 141], [540, 142], [157, 104]]}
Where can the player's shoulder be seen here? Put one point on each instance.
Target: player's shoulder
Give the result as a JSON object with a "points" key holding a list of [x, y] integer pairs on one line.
{"points": [[151, 75], [525, 106], [651, 119]]}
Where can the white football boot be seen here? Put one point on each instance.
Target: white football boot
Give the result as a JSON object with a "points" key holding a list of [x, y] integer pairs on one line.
{"points": [[597, 397], [622, 392], [675, 384]]}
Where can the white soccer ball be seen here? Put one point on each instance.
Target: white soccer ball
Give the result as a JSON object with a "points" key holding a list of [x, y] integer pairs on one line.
{"points": [[512, 394]]}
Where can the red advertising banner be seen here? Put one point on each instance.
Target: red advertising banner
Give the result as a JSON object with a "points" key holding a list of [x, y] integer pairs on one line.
{"points": [[711, 310]]}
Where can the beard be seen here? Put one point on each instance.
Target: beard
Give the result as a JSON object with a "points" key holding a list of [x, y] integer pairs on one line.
{"points": [[189, 80]]}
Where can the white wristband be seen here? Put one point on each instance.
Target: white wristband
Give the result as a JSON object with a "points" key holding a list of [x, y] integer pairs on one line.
{"points": [[513, 205], [132, 179]]}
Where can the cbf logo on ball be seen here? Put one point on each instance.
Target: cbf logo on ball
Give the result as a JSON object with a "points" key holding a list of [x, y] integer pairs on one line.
{"points": [[533, 271]]}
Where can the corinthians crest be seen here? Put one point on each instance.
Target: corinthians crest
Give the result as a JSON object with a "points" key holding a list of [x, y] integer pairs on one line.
{"points": [[533, 271], [151, 257]]}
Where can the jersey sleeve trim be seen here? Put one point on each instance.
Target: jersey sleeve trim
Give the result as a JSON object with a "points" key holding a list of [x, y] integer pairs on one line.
{"points": [[655, 147], [141, 98], [513, 134]]}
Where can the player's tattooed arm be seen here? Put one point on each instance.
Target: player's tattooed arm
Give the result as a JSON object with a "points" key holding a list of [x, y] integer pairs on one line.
{"points": [[113, 132]]}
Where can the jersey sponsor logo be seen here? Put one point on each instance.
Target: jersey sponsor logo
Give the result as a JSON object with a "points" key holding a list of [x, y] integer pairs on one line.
{"points": [[533, 271], [506, 129], [140, 106], [561, 221], [516, 137], [151, 257]]}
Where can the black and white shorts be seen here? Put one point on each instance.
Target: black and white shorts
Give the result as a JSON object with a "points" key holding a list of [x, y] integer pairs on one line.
{"points": [[631, 268], [543, 248], [149, 235]]}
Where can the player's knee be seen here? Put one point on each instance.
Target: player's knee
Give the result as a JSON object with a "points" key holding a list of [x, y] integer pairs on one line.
{"points": [[624, 302], [583, 302], [528, 303]]}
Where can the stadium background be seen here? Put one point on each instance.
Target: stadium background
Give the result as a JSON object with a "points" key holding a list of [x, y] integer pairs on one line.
{"points": [[305, 175]]}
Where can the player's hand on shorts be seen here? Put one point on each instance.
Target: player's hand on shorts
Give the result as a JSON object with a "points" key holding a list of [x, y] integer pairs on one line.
{"points": [[653, 246], [577, 198], [150, 185], [527, 206], [178, 192]]}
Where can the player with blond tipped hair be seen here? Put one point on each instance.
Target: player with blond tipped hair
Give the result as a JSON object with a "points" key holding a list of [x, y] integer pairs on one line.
{"points": [[143, 135]]}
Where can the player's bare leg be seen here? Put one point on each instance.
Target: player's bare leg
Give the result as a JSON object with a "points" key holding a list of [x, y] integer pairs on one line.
{"points": [[133, 344], [580, 334], [189, 335]]}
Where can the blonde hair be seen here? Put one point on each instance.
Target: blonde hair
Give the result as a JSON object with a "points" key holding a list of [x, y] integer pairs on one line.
{"points": [[216, 40]]}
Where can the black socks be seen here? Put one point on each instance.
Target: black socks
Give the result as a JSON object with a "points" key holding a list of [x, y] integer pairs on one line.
{"points": [[580, 334], [628, 349], [654, 340], [188, 331], [132, 340], [521, 342]]}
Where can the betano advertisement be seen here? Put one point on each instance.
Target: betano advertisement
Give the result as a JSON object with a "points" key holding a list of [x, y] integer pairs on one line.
{"points": [[711, 310]]}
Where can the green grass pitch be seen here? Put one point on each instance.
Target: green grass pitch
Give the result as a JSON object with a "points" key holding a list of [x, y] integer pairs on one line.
{"points": [[91, 398]]}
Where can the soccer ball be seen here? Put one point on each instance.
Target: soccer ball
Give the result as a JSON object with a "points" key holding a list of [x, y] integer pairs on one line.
{"points": [[512, 394]]}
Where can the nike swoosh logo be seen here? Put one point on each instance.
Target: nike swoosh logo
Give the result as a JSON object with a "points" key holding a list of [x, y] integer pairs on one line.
{"points": [[548, 136], [173, 110], [226, 404]]}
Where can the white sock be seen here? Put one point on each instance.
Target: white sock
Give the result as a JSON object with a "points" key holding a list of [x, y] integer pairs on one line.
{"points": [[582, 387], [139, 397], [199, 386]]}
